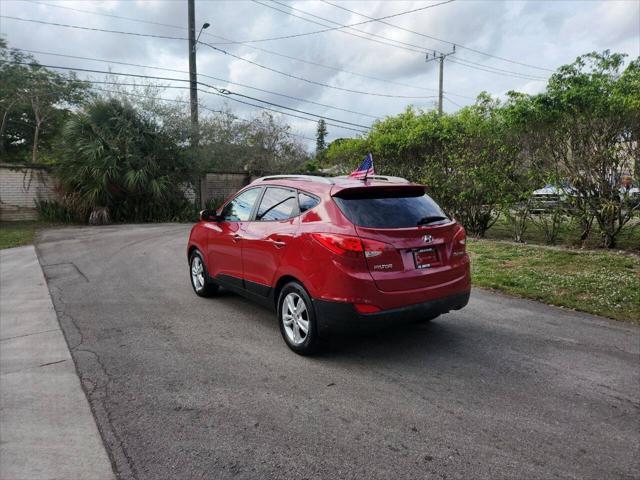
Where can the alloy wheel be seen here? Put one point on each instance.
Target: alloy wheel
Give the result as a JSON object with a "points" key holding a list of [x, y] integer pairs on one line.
{"points": [[295, 318], [197, 273]]}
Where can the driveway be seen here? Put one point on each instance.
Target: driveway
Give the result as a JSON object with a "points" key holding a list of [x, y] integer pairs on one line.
{"points": [[185, 387]]}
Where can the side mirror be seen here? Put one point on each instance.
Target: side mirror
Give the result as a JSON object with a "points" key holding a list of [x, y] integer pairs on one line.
{"points": [[209, 216]]}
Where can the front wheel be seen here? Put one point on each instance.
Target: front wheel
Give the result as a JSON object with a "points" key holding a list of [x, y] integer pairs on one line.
{"points": [[200, 281], [297, 319]]}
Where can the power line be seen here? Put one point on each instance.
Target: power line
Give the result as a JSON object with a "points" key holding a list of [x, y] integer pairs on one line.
{"points": [[460, 61], [106, 14], [204, 107], [497, 71], [289, 114], [346, 26], [221, 51], [93, 29], [132, 94], [439, 39], [199, 74], [468, 63], [254, 47], [408, 47], [456, 104], [313, 82], [219, 92]]}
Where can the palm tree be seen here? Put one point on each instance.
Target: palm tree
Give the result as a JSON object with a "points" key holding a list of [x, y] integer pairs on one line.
{"points": [[121, 164]]}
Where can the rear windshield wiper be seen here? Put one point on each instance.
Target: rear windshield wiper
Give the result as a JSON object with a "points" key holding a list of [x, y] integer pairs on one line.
{"points": [[430, 219]]}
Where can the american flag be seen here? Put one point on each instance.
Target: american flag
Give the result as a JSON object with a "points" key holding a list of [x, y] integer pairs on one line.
{"points": [[365, 169]]}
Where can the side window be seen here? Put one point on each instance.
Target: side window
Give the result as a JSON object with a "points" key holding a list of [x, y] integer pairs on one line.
{"points": [[307, 202], [239, 209], [277, 204]]}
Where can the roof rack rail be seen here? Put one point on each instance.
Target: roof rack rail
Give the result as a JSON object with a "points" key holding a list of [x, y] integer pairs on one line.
{"points": [[309, 178], [381, 178]]}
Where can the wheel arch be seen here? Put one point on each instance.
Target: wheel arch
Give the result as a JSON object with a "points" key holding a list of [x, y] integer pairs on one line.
{"points": [[192, 248], [282, 281]]}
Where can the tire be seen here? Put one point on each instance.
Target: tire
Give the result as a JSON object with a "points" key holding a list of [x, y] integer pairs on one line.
{"points": [[200, 281], [295, 314]]}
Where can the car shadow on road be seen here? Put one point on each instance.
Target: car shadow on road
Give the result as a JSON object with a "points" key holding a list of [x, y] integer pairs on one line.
{"points": [[406, 339], [443, 337]]}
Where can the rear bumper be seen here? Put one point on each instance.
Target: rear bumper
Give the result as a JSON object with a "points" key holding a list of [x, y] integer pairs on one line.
{"points": [[340, 317]]}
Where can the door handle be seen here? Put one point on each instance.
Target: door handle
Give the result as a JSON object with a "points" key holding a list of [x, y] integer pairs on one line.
{"points": [[236, 237], [279, 243]]}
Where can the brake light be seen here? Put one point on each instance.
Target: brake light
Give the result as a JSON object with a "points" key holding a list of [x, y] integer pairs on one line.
{"points": [[460, 242], [373, 248], [340, 244], [349, 245]]}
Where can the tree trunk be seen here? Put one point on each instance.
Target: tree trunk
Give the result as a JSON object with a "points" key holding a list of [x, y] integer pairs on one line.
{"points": [[34, 152], [608, 240], [585, 224], [4, 125]]}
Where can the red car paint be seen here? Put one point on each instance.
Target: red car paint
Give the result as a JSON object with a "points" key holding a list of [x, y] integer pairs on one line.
{"points": [[371, 269]]}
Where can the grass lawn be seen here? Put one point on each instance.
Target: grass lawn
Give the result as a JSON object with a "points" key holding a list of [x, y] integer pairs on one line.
{"points": [[628, 239], [603, 282], [17, 234]]}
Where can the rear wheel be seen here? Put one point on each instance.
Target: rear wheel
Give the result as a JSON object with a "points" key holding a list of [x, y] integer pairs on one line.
{"points": [[200, 281], [297, 319]]}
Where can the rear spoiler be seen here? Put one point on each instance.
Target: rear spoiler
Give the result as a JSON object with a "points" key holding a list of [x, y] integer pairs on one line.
{"points": [[376, 191], [379, 178]]}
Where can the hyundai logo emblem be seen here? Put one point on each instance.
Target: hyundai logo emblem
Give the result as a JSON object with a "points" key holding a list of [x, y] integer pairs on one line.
{"points": [[427, 239]]}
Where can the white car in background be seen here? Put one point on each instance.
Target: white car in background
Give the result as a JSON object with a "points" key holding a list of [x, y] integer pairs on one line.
{"points": [[633, 193], [553, 196], [550, 197]]}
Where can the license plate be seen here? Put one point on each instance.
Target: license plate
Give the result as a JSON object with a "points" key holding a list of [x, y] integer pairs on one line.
{"points": [[425, 257]]}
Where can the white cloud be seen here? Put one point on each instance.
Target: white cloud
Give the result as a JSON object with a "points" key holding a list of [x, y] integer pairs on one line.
{"points": [[547, 34]]}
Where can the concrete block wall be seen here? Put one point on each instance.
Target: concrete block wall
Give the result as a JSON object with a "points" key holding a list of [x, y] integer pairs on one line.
{"points": [[20, 187], [222, 184]]}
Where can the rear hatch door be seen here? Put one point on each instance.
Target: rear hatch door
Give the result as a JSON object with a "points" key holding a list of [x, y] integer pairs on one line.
{"points": [[407, 236]]}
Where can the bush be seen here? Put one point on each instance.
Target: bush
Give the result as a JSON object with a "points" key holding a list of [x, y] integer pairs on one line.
{"points": [[124, 165], [215, 202], [70, 209]]}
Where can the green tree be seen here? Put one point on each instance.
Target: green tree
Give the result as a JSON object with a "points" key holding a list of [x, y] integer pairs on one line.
{"points": [[321, 136], [461, 158], [114, 158], [263, 144], [344, 153], [35, 102], [588, 120]]}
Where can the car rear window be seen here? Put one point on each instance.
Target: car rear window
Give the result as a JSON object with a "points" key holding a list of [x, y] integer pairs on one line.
{"points": [[391, 210]]}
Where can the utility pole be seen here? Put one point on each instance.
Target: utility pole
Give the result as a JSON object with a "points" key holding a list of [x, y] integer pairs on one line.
{"points": [[193, 88], [440, 56], [193, 74]]}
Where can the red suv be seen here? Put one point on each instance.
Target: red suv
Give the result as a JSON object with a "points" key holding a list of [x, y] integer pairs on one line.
{"points": [[329, 253]]}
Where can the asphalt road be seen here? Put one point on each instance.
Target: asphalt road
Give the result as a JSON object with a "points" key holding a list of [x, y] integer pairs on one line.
{"points": [[184, 387]]}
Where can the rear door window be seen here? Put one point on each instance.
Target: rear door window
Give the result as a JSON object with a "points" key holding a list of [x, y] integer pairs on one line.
{"points": [[239, 209], [391, 210], [277, 204]]}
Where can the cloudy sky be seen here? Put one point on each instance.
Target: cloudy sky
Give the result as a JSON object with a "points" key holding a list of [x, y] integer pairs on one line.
{"points": [[351, 75]]}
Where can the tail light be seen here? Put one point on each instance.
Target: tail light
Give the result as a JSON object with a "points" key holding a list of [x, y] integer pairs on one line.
{"points": [[459, 242], [350, 246]]}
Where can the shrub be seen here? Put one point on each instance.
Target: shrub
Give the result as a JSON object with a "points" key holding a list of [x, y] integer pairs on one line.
{"points": [[70, 209], [123, 164]]}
